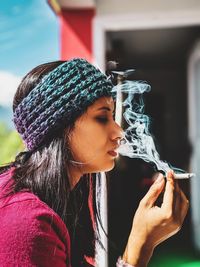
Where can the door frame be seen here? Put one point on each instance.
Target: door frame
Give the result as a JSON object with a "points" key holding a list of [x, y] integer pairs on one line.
{"points": [[137, 21], [142, 21]]}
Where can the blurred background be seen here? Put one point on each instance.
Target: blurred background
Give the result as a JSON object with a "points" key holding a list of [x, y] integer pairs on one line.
{"points": [[161, 41], [29, 36]]}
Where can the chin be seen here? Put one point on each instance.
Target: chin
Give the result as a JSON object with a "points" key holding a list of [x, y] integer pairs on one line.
{"points": [[109, 167], [105, 169]]}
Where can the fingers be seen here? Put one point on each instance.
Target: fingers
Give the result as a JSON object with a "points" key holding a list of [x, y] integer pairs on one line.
{"points": [[168, 198], [185, 206], [181, 207], [175, 202], [180, 203], [154, 191]]}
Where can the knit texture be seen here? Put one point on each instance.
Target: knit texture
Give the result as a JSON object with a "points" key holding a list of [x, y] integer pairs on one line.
{"points": [[59, 98]]}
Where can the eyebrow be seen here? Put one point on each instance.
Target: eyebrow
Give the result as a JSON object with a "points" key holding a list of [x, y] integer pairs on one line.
{"points": [[104, 108]]}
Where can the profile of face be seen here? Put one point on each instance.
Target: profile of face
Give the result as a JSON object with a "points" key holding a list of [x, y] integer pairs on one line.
{"points": [[95, 137]]}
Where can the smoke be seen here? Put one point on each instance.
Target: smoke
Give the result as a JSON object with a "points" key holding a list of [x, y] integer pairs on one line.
{"points": [[138, 142]]}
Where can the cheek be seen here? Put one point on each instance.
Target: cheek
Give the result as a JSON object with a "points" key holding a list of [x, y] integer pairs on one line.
{"points": [[88, 142], [91, 149]]}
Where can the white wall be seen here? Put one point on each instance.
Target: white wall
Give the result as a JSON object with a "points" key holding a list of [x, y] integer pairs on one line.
{"points": [[105, 7], [194, 134]]}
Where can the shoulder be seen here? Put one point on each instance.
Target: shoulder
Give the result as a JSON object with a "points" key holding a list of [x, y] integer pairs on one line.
{"points": [[25, 207], [26, 211], [29, 225]]}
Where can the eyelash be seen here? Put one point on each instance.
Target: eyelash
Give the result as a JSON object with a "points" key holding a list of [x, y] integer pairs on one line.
{"points": [[104, 119]]}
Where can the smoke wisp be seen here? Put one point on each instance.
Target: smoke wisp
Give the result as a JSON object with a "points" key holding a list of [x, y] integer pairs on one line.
{"points": [[138, 141]]}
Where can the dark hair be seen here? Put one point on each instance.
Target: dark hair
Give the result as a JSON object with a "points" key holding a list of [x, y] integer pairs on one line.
{"points": [[44, 172]]}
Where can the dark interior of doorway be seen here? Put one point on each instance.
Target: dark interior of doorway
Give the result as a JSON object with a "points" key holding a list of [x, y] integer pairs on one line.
{"points": [[159, 56]]}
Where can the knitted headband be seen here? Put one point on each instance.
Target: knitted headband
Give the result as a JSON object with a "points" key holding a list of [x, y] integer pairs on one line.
{"points": [[61, 96]]}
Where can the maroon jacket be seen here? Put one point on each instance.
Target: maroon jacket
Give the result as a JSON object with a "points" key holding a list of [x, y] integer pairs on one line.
{"points": [[31, 233]]}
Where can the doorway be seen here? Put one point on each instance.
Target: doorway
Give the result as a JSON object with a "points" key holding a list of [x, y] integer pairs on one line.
{"points": [[160, 57]]}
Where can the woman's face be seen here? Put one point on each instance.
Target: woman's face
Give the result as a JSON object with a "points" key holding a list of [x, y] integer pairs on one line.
{"points": [[95, 137]]}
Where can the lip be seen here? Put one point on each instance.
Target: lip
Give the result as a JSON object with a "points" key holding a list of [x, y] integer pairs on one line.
{"points": [[113, 153]]}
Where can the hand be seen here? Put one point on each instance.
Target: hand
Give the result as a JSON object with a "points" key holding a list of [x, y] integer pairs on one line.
{"points": [[152, 224]]}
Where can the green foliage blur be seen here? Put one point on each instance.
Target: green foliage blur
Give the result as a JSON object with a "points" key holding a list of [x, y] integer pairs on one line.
{"points": [[10, 144]]}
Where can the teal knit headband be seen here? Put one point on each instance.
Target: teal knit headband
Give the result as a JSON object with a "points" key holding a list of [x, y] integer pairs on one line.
{"points": [[59, 98]]}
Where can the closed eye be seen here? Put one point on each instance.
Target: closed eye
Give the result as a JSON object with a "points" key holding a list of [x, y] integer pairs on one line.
{"points": [[105, 119], [102, 119]]}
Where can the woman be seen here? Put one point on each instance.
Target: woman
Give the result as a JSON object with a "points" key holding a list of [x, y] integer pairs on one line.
{"points": [[64, 113]]}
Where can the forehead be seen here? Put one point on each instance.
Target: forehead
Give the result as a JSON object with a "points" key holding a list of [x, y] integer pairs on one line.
{"points": [[103, 102]]}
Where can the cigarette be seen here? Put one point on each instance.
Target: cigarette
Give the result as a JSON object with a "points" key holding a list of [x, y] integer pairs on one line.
{"points": [[183, 175]]}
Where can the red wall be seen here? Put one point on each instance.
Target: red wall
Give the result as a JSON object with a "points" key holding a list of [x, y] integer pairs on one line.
{"points": [[76, 33]]}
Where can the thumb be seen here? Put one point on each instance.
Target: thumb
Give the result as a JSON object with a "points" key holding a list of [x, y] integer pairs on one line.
{"points": [[154, 191]]}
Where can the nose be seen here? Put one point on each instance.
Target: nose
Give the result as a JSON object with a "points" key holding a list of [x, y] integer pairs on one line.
{"points": [[117, 133]]}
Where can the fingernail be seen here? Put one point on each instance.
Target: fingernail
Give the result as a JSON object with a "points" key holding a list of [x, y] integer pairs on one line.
{"points": [[170, 174], [159, 179]]}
